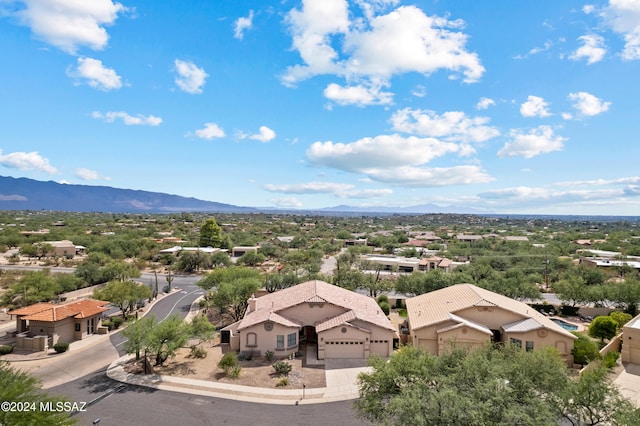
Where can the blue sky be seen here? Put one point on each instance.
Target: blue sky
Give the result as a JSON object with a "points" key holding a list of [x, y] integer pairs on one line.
{"points": [[504, 106]]}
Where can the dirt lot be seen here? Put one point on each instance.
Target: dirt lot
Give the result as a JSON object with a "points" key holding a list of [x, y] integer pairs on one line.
{"points": [[257, 373]]}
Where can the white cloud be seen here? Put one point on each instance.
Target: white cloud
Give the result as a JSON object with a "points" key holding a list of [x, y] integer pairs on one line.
{"points": [[340, 190], [451, 125], [623, 17], [265, 135], [88, 174], [385, 151], [431, 177], [588, 104], [289, 202], [376, 47], [587, 9], [242, 24], [535, 106], [27, 161], [69, 24], [190, 78], [420, 91], [593, 49], [209, 132], [359, 95], [540, 140], [96, 75], [129, 120], [485, 103], [547, 45], [567, 116]]}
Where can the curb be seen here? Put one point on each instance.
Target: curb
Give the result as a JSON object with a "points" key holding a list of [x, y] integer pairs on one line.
{"points": [[116, 372]]}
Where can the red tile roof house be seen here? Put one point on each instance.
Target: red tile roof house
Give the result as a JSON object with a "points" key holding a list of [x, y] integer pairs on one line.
{"points": [[43, 325], [342, 323]]}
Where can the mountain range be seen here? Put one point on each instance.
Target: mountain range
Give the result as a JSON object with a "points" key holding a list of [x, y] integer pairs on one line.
{"points": [[29, 194]]}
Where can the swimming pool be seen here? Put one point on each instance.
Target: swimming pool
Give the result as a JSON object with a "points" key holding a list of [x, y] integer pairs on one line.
{"points": [[564, 324]]}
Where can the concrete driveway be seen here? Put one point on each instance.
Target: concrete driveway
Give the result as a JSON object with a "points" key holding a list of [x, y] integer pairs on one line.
{"points": [[629, 383], [341, 376]]}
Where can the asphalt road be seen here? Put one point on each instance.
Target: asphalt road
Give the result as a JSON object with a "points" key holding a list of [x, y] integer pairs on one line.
{"points": [[119, 404]]}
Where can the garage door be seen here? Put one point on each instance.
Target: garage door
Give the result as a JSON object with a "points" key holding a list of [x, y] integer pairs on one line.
{"points": [[349, 350], [379, 347]]}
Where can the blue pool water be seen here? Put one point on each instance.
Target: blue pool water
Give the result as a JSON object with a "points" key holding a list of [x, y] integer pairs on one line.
{"points": [[565, 324]]}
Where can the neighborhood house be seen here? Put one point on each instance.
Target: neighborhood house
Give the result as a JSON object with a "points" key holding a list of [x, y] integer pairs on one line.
{"points": [[338, 322], [469, 316], [43, 325]]}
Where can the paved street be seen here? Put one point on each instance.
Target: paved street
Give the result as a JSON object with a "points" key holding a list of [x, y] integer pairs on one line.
{"points": [[116, 404]]}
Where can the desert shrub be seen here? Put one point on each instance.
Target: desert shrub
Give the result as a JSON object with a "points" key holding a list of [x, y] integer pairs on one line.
{"points": [[61, 347], [402, 313], [400, 304], [382, 298], [585, 350], [610, 359], [198, 352], [282, 382], [228, 362], [116, 322], [385, 308], [282, 368], [269, 355], [245, 356], [5, 349], [107, 324], [234, 372]]}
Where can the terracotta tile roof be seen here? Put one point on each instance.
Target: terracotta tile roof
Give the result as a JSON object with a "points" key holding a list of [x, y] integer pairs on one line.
{"points": [[51, 313], [31, 309], [364, 307], [434, 307]]}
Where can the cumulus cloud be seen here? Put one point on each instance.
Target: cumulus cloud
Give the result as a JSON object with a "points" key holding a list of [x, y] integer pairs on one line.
{"points": [[623, 17], [397, 160], [451, 125], [95, 74], [288, 202], [190, 78], [88, 174], [69, 24], [592, 49], [359, 95], [129, 120], [485, 103], [535, 106], [383, 151], [27, 161], [13, 197], [242, 24], [368, 51], [340, 190], [209, 132], [588, 104], [264, 135], [431, 177], [540, 140]]}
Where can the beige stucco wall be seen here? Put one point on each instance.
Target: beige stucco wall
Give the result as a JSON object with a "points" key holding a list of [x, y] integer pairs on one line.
{"points": [[351, 334], [267, 340], [464, 337], [631, 343], [544, 338]]}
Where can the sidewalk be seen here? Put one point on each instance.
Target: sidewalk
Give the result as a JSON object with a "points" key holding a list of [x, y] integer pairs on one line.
{"points": [[341, 385]]}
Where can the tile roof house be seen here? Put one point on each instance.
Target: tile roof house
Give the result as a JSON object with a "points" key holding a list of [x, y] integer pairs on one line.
{"points": [[58, 322], [341, 323], [470, 316]]}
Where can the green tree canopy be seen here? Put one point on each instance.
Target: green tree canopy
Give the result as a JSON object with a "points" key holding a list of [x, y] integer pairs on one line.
{"points": [[123, 294], [137, 334], [210, 234], [167, 336], [233, 287], [603, 328], [20, 387]]}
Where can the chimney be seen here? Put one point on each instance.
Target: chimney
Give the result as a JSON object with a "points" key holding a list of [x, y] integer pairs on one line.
{"points": [[252, 303]]}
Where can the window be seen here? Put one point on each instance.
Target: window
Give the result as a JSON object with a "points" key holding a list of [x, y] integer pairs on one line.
{"points": [[529, 346], [77, 326], [280, 342], [516, 342], [291, 340], [252, 339]]}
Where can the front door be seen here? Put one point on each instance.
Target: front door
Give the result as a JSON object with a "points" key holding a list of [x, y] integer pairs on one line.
{"points": [[90, 325]]}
